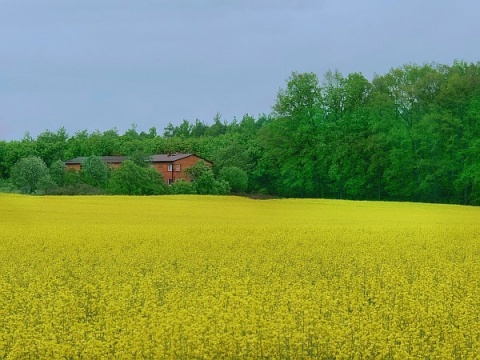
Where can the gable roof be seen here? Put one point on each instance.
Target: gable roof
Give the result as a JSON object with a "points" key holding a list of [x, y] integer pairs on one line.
{"points": [[174, 157], [168, 157], [77, 160]]}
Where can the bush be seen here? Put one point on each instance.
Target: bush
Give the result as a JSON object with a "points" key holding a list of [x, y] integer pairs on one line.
{"points": [[132, 179], [95, 172], [235, 177], [72, 178], [77, 189], [57, 171], [204, 181], [27, 173], [47, 185], [206, 184], [7, 187], [182, 187]]}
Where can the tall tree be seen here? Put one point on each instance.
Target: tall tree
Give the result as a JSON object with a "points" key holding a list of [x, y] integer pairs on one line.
{"points": [[347, 127], [218, 127], [291, 141], [379, 142], [52, 146]]}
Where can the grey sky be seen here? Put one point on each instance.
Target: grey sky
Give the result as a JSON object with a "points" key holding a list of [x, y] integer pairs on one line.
{"points": [[100, 64]]}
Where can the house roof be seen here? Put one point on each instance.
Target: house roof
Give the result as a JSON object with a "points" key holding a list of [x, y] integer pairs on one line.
{"points": [[119, 159], [77, 160], [168, 157], [174, 157]]}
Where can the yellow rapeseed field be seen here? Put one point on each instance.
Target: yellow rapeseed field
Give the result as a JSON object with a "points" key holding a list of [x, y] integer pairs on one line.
{"points": [[191, 277]]}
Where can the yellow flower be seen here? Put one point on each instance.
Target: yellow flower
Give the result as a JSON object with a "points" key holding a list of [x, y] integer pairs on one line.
{"points": [[227, 277]]}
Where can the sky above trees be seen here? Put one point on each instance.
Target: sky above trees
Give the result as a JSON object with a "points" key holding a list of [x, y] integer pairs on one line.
{"points": [[102, 64]]}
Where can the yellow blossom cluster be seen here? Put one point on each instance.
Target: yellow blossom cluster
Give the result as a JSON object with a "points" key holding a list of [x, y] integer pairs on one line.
{"points": [[192, 277]]}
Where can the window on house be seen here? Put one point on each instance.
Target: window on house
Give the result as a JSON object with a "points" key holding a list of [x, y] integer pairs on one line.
{"points": [[169, 167], [177, 167], [170, 181]]}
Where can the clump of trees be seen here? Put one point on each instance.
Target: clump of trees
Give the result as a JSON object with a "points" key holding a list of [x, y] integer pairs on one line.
{"points": [[411, 134], [31, 175], [204, 182], [134, 177]]}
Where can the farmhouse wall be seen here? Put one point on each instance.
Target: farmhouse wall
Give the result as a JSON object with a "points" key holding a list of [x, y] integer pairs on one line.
{"points": [[75, 167], [177, 168], [114, 166]]}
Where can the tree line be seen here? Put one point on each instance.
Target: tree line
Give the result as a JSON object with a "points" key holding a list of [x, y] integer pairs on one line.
{"points": [[412, 134]]}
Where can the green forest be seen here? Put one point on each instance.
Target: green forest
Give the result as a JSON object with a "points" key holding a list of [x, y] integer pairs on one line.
{"points": [[412, 134]]}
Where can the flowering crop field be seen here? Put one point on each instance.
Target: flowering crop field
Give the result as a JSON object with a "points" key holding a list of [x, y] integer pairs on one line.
{"points": [[191, 277]]}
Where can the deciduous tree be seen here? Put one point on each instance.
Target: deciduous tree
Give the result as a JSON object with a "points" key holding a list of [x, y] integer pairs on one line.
{"points": [[95, 172], [28, 172]]}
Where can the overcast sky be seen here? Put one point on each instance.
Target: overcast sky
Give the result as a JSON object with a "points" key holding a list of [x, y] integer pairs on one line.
{"points": [[103, 64]]}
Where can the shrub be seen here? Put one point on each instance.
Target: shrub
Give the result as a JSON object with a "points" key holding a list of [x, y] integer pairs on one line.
{"points": [[235, 177], [57, 171], [132, 179], [27, 173], [95, 172], [182, 187]]}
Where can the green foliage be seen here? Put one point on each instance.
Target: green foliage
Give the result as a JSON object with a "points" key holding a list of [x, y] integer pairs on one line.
{"points": [[3, 155], [182, 186], [13, 151], [218, 127], [140, 158], [57, 172], [96, 143], [132, 179], [72, 178], [197, 170], [27, 174], [95, 172], [77, 189], [204, 181], [6, 186], [206, 184], [52, 146], [47, 185], [235, 177], [292, 143], [233, 153], [71, 184]]}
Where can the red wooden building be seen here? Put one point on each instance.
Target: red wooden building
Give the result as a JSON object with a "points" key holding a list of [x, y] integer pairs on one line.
{"points": [[171, 166]]}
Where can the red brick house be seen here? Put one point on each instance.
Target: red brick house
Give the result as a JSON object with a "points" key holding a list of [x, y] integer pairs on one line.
{"points": [[171, 166]]}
